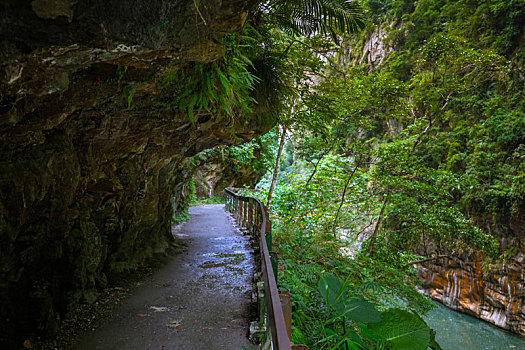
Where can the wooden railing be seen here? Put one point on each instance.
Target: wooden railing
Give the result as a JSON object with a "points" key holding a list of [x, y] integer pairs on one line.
{"points": [[252, 215]]}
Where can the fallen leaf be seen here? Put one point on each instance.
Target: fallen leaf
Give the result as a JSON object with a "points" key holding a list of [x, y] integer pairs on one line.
{"points": [[27, 344], [174, 324], [141, 315], [159, 308]]}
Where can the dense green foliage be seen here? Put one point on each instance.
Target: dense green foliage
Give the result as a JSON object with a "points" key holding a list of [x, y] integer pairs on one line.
{"points": [[387, 165], [425, 148], [456, 75]]}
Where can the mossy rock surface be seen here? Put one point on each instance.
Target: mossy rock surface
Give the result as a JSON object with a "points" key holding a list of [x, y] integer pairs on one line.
{"points": [[87, 181]]}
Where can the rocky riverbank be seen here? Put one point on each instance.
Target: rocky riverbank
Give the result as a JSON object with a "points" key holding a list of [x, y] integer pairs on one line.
{"points": [[495, 293]]}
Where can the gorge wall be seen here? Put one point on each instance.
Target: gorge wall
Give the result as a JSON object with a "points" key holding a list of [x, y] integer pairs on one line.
{"points": [[490, 289], [217, 169], [91, 149], [493, 291]]}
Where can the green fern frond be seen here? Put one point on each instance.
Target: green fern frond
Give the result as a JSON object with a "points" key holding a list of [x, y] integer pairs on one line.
{"points": [[319, 16]]}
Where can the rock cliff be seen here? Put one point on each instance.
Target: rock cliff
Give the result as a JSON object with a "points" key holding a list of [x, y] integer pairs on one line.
{"points": [[217, 169], [374, 48], [91, 149], [493, 291]]}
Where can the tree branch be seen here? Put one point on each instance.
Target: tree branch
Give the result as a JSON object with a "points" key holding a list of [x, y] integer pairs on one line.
{"points": [[407, 265], [276, 169], [308, 182], [433, 257], [378, 224], [328, 58], [343, 200], [315, 207]]}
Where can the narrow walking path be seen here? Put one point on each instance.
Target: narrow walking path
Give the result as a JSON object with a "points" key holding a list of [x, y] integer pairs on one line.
{"points": [[199, 300]]}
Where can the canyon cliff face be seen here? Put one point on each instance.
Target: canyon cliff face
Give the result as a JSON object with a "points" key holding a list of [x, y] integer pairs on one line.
{"points": [[493, 291], [92, 150], [217, 169], [374, 48]]}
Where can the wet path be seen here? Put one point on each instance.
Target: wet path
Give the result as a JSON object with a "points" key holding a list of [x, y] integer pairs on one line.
{"points": [[199, 300]]}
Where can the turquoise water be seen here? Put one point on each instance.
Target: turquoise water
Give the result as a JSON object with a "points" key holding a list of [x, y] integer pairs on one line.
{"points": [[458, 331]]}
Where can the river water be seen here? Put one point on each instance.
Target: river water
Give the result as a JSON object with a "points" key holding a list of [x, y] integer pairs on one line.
{"points": [[458, 331]]}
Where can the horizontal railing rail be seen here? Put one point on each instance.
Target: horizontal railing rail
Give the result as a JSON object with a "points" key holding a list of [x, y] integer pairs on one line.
{"points": [[252, 215]]}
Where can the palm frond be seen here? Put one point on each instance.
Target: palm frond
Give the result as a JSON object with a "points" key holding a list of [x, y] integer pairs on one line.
{"points": [[306, 17]]}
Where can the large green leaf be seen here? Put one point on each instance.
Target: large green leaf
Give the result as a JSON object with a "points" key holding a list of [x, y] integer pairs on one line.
{"points": [[336, 295], [360, 310], [403, 329], [433, 343], [332, 290]]}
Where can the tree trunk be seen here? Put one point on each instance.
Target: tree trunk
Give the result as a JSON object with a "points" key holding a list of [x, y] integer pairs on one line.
{"points": [[342, 201], [378, 225], [307, 184], [276, 170]]}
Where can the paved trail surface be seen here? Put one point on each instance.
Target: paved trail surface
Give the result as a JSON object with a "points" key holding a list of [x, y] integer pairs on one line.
{"points": [[199, 300]]}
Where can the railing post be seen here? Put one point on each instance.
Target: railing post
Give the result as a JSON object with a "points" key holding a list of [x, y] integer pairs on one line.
{"points": [[250, 215], [276, 308], [257, 221], [245, 214], [286, 305], [241, 216], [238, 210]]}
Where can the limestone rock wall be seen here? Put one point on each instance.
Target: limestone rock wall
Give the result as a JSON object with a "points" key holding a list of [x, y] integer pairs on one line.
{"points": [[371, 50], [216, 170], [493, 291], [496, 296], [375, 50], [91, 150]]}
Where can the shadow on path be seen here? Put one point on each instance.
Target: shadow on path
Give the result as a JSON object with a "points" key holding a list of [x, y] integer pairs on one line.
{"points": [[199, 300]]}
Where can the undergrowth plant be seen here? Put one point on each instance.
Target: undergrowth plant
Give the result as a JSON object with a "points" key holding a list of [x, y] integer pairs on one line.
{"points": [[177, 219], [334, 306], [220, 87], [354, 322]]}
